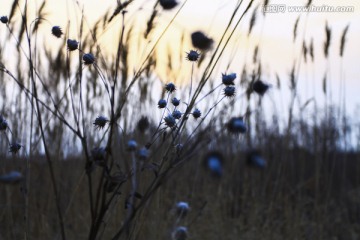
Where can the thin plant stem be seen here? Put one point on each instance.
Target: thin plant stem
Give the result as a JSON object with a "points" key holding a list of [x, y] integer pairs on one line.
{"points": [[52, 174], [191, 80]]}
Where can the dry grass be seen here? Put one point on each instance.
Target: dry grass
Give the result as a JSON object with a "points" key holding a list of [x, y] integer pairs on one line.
{"points": [[301, 195], [84, 182]]}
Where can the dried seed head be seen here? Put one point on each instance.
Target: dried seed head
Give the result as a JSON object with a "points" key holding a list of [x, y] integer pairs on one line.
{"points": [[168, 4], [170, 121], [175, 102], [170, 87], [176, 114], [162, 103], [14, 147], [3, 124], [11, 177], [196, 113], [72, 45], [88, 59], [260, 87], [254, 159], [100, 122], [228, 79], [229, 91], [180, 233], [236, 125], [201, 41], [56, 31], [182, 208], [131, 145], [143, 124], [143, 154], [4, 19], [213, 162], [193, 56]]}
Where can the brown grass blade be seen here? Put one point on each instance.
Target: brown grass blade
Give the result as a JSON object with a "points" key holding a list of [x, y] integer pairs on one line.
{"points": [[119, 8], [255, 57], [40, 17], [22, 27], [327, 40], [13, 8], [296, 27], [343, 40], [252, 20], [306, 104], [150, 23], [309, 3], [305, 51], [292, 79], [278, 82], [243, 79], [311, 50]]}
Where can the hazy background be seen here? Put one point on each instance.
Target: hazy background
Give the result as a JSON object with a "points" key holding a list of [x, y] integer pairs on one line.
{"points": [[273, 32], [302, 182]]}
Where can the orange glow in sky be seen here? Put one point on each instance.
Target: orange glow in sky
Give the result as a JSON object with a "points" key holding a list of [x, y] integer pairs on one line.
{"points": [[273, 33]]}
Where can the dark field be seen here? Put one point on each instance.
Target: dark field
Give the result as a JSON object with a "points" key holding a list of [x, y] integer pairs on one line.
{"points": [[97, 145], [290, 200]]}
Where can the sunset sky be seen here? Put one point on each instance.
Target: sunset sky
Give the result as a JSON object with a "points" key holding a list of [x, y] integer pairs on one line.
{"points": [[273, 33]]}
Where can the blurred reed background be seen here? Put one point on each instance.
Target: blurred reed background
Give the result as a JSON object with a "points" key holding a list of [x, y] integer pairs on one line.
{"points": [[178, 120]]}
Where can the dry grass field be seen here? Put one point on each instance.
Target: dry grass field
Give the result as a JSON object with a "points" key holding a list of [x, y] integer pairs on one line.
{"points": [[95, 145]]}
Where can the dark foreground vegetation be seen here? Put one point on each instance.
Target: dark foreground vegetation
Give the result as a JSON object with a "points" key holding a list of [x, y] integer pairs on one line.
{"points": [[96, 145]]}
